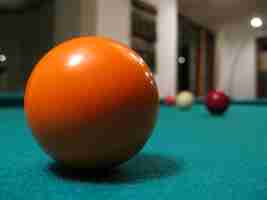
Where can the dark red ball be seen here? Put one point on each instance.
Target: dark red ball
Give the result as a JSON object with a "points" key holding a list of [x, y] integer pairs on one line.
{"points": [[170, 101], [217, 102]]}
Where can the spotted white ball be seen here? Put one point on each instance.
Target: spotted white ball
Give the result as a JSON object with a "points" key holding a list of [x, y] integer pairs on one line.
{"points": [[185, 100]]}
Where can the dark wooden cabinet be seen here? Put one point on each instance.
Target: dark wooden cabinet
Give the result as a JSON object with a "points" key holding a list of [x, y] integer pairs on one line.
{"points": [[144, 31]]}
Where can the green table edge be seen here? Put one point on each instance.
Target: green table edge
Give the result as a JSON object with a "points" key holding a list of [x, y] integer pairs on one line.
{"points": [[260, 101], [14, 99], [17, 99]]}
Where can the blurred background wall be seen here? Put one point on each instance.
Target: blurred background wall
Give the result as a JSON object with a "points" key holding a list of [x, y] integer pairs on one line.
{"points": [[199, 45], [112, 19], [24, 37], [236, 58]]}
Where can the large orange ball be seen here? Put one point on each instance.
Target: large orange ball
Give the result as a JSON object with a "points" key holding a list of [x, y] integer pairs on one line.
{"points": [[91, 103]]}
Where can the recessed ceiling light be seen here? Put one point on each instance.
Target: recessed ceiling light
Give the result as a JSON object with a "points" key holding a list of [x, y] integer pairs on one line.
{"points": [[256, 22], [3, 58]]}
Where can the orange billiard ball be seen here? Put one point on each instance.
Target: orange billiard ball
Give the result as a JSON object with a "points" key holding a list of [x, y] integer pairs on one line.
{"points": [[91, 103]]}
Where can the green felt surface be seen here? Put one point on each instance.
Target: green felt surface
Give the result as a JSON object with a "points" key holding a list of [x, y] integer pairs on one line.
{"points": [[191, 155]]}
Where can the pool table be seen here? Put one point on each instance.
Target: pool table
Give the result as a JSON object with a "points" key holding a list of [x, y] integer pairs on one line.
{"points": [[191, 155]]}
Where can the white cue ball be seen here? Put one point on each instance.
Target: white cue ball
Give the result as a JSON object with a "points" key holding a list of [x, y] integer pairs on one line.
{"points": [[185, 100]]}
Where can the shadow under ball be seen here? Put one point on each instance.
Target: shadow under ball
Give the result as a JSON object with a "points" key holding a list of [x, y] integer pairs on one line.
{"points": [[91, 103]]}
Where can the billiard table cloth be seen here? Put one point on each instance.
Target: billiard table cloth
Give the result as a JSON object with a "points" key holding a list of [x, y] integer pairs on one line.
{"points": [[191, 155]]}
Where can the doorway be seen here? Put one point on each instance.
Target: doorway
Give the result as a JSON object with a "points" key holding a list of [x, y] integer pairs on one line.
{"points": [[261, 56], [196, 57]]}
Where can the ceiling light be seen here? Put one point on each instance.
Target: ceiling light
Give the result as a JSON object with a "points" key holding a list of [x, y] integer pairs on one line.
{"points": [[256, 22]]}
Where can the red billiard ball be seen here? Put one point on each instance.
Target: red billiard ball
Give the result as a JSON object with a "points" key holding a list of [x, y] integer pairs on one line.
{"points": [[217, 102], [91, 103], [170, 100]]}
